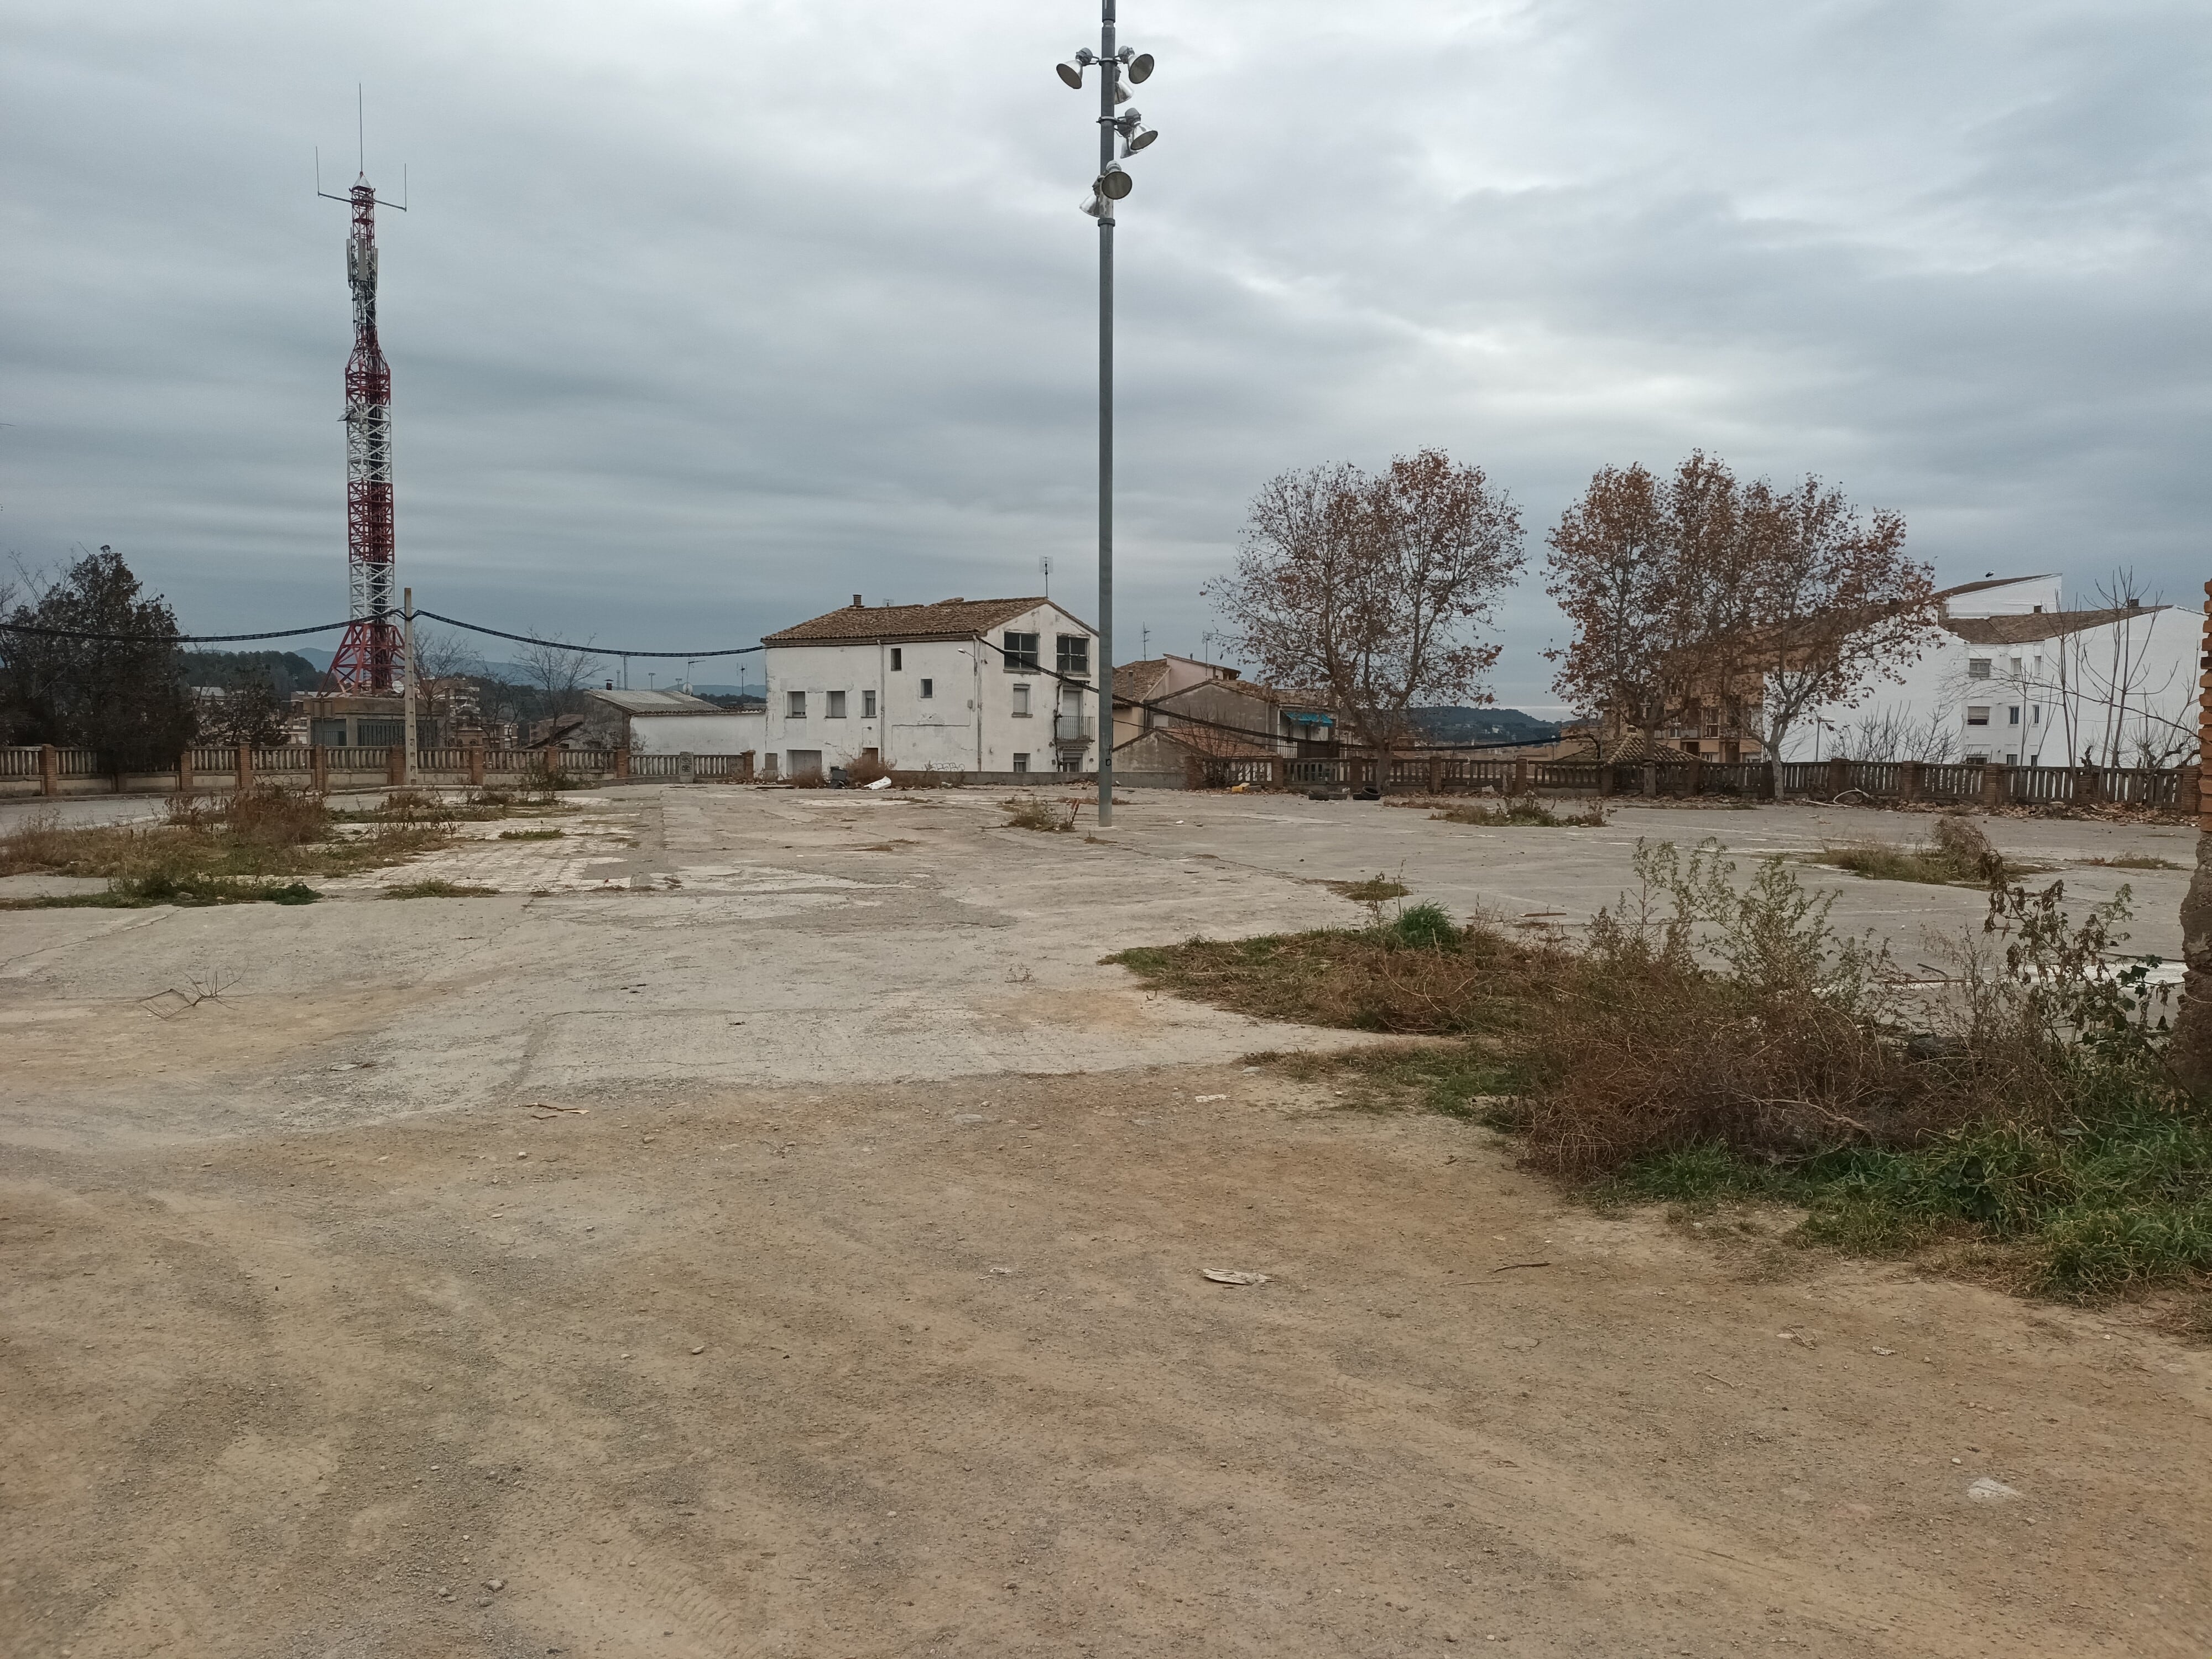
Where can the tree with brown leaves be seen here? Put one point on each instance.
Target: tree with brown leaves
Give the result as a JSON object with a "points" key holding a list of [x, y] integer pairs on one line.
{"points": [[1823, 605], [1695, 586], [1367, 587]]}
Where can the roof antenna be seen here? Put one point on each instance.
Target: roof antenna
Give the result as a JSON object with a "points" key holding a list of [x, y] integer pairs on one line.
{"points": [[361, 128]]}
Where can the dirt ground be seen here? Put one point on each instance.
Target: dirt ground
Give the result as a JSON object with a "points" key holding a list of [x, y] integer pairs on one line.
{"points": [[806, 1258]]}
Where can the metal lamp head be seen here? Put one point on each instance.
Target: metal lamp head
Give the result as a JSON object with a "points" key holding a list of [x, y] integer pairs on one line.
{"points": [[1137, 141], [1097, 207], [1114, 183], [1140, 67], [1071, 73]]}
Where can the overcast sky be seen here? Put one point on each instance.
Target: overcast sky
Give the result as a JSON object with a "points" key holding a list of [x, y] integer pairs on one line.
{"points": [[707, 315]]}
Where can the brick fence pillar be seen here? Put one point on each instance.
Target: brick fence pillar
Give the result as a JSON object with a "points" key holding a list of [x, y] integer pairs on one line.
{"points": [[184, 770], [475, 766], [319, 769], [1436, 775], [1840, 776], [1908, 783], [243, 772], [1520, 784], [1278, 772], [621, 766], [1992, 787], [50, 769]]}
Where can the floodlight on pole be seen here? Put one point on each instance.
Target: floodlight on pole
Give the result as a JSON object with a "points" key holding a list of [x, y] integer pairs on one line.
{"points": [[1112, 185]]}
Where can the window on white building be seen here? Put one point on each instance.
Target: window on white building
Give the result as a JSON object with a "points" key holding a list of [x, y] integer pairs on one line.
{"points": [[1021, 702], [1977, 716], [929, 688], [1021, 653], [898, 660], [2012, 717], [1978, 668], [1021, 762], [836, 710], [1074, 654], [867, 705], [795, 705]]}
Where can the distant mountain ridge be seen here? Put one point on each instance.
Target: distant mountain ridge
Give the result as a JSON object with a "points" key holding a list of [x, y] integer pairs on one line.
{"points": [[1454, 724]]}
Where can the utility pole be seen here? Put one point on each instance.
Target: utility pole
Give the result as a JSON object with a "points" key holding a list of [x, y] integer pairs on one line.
{"points": [[1112, 185], [407, 644]]}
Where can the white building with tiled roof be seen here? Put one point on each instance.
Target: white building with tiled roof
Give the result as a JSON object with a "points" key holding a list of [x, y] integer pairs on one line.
{"points": [[962, 685], [2015, 679]]}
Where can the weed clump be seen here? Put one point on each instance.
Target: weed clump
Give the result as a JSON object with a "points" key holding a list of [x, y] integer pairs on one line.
{"points": [[1958, 854], [1028, 812], [1374, 890], [415, 890], [1522, 810]]}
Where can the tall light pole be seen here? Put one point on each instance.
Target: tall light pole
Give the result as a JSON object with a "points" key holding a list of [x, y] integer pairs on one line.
{"points": [[1112, 185]]}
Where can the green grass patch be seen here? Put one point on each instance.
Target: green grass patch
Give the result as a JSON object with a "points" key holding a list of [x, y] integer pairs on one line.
{"points": [[162, 887], [1958, 855], [415, 890], [1418, 974], [2133, 862], [532, 835], [1458, 1080]]}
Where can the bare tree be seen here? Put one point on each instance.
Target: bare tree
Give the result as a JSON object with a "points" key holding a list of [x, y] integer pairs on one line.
{"points": [[1367, 586], [1893, 734], [557, 673], [439, 655]]}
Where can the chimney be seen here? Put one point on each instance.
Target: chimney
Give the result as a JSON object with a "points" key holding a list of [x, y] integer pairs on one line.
{"points": [[856, 601]]}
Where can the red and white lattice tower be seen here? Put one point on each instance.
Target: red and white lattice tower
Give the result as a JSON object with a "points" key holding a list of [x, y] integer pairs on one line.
{"points": [[366, 656]]}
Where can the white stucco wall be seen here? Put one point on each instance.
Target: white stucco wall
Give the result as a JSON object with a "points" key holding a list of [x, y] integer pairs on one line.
{"points": [[2104, 689], [968, 723], [696, 734]]}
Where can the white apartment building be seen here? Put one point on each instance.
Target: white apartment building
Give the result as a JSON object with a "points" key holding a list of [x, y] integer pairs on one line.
{"points": [[958, 686], [2016, 679]]}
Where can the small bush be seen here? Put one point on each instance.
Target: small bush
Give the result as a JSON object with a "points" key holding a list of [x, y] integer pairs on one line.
{"points": [[865, 770], [1422, 927], [531, 834], [928, 777], [1028, 812], [415, 890], [2133, 862], [1522, 810]]}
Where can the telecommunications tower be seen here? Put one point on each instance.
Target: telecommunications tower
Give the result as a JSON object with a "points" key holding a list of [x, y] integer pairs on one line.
{"points": [[366, 655]]}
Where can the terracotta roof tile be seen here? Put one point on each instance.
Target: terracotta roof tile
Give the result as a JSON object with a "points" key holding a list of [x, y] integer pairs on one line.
{"points": [[948, 619], [2039, 624]]}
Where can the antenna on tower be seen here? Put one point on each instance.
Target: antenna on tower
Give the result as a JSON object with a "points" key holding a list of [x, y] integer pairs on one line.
{"points": [[1045, 565], [373, 645]]}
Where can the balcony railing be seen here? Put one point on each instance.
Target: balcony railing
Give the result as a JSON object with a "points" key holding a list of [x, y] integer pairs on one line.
{"points": [[1074, 730]]}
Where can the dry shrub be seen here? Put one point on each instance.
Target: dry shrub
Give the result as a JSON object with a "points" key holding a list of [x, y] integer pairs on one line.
{"points": [[865, 770], [38, 844], [1028, 812], [928, 777], [266, 816], [1959, 853], [815, 778], [1703, 1015]]}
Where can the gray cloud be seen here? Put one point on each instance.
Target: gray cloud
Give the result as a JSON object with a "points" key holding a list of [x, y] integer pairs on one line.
{"points": [[708, 315]]}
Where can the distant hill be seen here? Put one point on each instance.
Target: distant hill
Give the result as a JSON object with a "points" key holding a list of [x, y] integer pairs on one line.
{"points": [[287, 671], [1483, 725]]}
